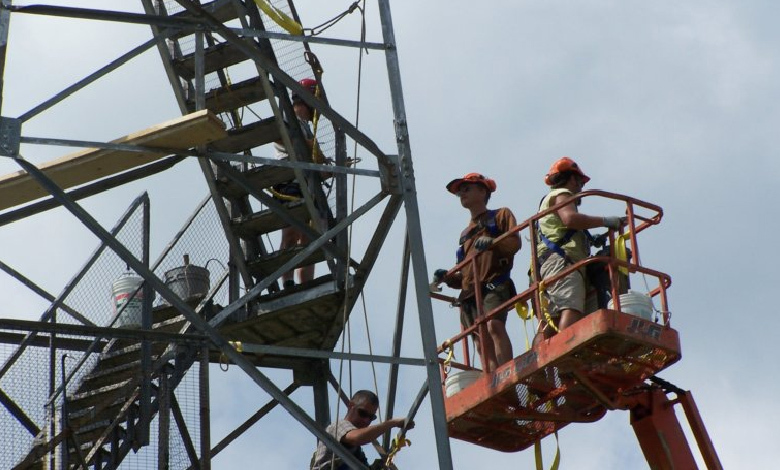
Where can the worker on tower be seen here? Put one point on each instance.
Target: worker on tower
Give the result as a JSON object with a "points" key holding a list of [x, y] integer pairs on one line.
{"points": [[291, 190], [562, 241], [493, 264], [354, 431]]}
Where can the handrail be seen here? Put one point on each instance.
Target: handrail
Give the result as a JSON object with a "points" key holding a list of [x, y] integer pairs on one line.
{"points": [[635, 224]]}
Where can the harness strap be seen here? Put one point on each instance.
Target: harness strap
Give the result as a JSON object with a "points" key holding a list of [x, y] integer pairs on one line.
{"points": [[489, 224]]}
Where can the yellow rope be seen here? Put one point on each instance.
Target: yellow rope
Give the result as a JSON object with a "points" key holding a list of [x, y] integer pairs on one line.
{"points": [[447, 345], [544, 303], [283, 197], [280, 18], [223, 359], [525, 314], [620, 250], [316, 153], [396, 445], [538, 454]]}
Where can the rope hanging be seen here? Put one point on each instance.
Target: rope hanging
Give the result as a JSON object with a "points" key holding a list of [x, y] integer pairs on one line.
{"points": [[280, 18]]}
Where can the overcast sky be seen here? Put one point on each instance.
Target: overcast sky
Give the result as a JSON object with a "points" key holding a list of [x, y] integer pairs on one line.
{"points": [[673, 103]]}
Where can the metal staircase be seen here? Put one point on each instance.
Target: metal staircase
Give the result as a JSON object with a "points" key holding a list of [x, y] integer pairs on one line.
{"points": [[200, 67], [226, 59]]}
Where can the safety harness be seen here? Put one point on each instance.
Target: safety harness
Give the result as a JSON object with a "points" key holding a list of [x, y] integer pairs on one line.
{"points": [[489, 224]]}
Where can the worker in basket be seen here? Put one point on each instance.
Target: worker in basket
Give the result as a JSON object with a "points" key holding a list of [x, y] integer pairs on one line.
{"points": [[562, 240], [354, 431], [493, 265]]}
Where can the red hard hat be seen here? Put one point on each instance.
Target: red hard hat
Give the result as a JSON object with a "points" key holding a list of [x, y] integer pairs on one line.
{"points": [[309, 83], [564, 164], [454, 185]]}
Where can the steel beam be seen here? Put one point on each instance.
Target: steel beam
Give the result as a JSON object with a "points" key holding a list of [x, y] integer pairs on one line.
{"points": [[414, 232], [237, 358]]}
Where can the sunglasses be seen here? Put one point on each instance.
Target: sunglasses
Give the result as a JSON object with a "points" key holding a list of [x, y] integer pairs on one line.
{"points": [[365, 414]]}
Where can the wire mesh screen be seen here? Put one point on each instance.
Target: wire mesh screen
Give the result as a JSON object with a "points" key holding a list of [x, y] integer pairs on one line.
{"points": [[32, 369]]}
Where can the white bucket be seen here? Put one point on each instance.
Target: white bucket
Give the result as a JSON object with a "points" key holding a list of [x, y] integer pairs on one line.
{"points": [[635, 303], [122, 293], [454, 383]]}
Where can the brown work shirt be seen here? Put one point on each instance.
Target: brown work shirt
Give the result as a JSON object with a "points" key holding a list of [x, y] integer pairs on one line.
{"points": [[491, 264]]}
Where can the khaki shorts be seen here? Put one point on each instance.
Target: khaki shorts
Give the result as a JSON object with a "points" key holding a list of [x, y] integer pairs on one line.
{"points": [[568, 292], [490, 300]]}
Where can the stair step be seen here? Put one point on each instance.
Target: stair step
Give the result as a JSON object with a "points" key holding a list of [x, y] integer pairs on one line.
{"points": [[216, 57], [127, 354], [91, 432], [85, 416], [120, 356], [252, 135], [221, 10], [172, 325], [268, 264], [260, 177], [105, 376], [220, 100], [101, 395], [268, 220]]}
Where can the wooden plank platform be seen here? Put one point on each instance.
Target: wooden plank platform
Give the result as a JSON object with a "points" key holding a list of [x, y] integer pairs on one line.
{"points": [[562, 380], [72, 170]]}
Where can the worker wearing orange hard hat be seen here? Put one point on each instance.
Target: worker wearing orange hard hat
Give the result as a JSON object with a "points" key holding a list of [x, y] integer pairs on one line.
{"points": [[494, 262], [562, 240]]}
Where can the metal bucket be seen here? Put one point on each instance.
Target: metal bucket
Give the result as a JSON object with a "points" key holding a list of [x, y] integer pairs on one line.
{"points": [[122, 294], [189, 281]]}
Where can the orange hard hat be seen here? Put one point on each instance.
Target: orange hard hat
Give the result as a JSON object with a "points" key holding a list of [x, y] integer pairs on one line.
{"points": [[454, 185], [564, 164]]}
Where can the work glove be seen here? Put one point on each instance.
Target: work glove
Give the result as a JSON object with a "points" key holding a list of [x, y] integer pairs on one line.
{"points": [[438, 275], [613, 222], [483, 243]]}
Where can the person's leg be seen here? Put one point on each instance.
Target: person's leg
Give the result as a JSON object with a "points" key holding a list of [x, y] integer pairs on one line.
{"points": [[305, 273], [569, 317], [566, 295], [289, 239], [468, 312], [502, 345]]}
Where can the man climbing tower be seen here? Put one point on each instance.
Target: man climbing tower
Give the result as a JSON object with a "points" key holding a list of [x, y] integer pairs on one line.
{"points": [[354, 431]]}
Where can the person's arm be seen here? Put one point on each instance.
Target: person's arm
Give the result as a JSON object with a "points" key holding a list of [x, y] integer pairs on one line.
{"points": [[359, 437], [573, 219], [512, 243]]}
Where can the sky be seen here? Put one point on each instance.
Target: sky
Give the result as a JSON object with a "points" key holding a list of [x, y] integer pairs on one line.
{"points": [[669, 102]]}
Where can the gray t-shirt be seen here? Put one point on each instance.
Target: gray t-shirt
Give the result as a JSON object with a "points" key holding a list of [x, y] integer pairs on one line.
{"points": [[323, 455]]}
